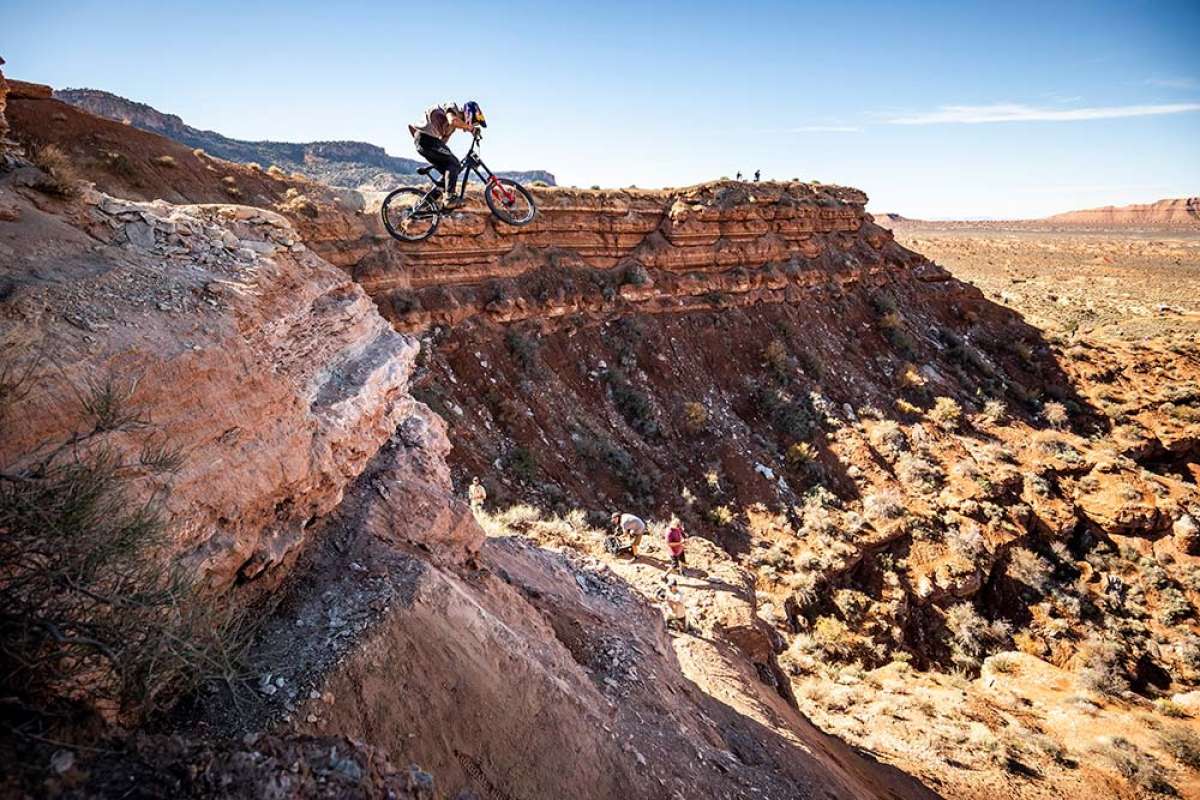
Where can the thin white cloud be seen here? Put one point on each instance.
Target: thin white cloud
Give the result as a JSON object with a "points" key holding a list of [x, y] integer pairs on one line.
{"points": [[1173, 83], [826, 129], [1015, 112]]}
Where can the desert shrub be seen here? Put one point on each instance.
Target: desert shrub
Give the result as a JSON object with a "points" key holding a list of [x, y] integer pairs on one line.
{"points": [[117, 163], [994, 412], [914, 470], [778, 359], [836, 640], [91, 615], [254, 166], [524, 349], [946, 413], [884, 504], [59, 176], [1139, 768], [275, 171], [793, 417], [1004, 664], [1183, 744], [889, 439], [909, 376], [165, 161], [1169, 708], [905, 407], [884, 303], [540, 184], [595, 187], [1103, 670], [299, 204], [1056, 414], [721, 515], [966, 541], [1175, 606], [695, 416], [971, 635], [800, 455], [1028, 568], [522, 464], [636, 275], [634, 405], [199, 153]]}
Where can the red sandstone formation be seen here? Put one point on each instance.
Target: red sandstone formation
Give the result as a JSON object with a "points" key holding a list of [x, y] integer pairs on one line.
{"points": [[1176, 212]]}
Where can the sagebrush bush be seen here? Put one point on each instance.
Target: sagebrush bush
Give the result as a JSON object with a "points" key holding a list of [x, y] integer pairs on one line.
{"points": [[91, 615], [1028, 568], [1139, 768], [165, 161], [1183, 744], [695, 416], [994, 412], [1056, 414], [946, 413], [884, 504], [59, 178], [889, 439]]}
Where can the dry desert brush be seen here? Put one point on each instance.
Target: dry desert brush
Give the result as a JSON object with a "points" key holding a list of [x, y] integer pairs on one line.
{"points": [[93, 617]]}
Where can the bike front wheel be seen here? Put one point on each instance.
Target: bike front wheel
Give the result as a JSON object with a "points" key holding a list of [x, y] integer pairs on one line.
{"points": [[409, 215], [510, 201]]}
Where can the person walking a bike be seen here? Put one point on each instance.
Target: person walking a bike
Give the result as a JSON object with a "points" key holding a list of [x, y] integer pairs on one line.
{"points": [[430, 139]]}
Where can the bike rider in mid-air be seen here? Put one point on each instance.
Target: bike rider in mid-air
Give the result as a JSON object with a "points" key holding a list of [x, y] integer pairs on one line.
{"points": [[430, 139]]}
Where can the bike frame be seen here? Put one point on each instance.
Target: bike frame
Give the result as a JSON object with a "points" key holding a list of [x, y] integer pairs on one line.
{"points": [[471, 162]]}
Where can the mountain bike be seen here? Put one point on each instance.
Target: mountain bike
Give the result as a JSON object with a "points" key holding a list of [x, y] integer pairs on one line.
{"points": [[412, 214]]}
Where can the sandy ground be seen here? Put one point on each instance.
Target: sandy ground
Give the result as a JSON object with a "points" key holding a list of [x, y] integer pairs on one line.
{"points": [[1128, 284]]}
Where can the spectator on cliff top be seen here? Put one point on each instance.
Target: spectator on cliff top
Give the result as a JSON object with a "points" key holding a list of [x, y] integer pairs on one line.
{"points": [[756, 174], [430, 139], [738, 177]]}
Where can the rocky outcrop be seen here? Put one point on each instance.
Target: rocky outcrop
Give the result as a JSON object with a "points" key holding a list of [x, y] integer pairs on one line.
{"points": [[3, 104], [722, 244], [269, 369]]}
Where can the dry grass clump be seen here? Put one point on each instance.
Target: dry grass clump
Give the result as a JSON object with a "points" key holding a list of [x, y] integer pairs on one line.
{"points": [[1056, 414], [1028, 568], [884, 504], [1169, 708], [298, 204], [60, 176], [276, 172], [695, 416], [254, 166], [199, 153], [167, 161], [889, 439], [800, 455], [905, 407], [910, 376], [917, 471], [1104, 671], [946, 413], [994, 412], [1139, 768], [1183, 744]]}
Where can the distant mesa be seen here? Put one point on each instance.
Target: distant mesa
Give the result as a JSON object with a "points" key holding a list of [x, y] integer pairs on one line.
{"points": [[1181, 211], [356, 165]]}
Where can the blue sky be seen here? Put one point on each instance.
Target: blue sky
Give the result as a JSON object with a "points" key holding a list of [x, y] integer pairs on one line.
{"points": [[949, 110]]}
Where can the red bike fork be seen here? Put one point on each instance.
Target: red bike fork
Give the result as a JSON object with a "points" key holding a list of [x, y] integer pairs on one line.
{"points": [[509, 197]]}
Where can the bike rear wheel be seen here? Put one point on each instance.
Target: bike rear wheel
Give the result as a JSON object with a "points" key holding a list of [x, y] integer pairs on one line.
{"points": [[409, 216], [510, 201]]}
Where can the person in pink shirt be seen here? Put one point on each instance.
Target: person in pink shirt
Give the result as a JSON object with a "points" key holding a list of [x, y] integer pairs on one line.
{"points": [[675, 538]]}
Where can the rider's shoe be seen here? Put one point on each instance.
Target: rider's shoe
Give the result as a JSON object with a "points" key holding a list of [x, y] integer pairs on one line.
{"points": [[454, 202]]}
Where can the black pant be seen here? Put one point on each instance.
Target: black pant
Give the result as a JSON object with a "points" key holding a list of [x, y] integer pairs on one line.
{"points": [[437, 153]]}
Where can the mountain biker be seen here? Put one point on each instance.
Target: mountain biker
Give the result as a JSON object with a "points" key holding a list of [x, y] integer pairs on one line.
{"points": [[632, 526], [430, 140]]}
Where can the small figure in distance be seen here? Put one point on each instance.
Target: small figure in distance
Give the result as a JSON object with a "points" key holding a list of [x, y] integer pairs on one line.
{"points": [[675, 537], [757, 173], [476, 494], [738, 177]]}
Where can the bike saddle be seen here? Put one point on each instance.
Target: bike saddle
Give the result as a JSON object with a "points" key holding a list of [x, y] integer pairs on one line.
{"points": [[424, 171]]}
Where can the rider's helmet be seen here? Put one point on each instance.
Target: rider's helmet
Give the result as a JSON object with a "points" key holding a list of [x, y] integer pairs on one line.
{"points": [[474, 114]]}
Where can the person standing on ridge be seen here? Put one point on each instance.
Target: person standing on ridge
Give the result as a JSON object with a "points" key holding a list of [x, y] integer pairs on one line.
{"points": [[738, 177], [675, 537], [631, 526], [757, 173], [430, 140], [476, 494]]}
